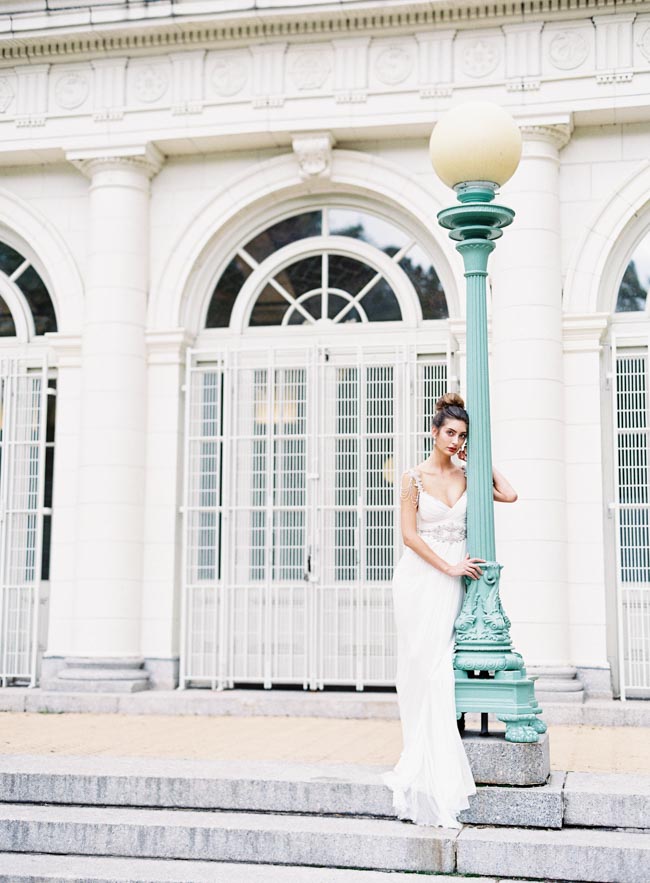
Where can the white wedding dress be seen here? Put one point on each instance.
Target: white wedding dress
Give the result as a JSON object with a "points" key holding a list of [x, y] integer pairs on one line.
{"points": [[432, 780]]}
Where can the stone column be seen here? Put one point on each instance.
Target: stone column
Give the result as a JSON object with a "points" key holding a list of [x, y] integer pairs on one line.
{"points": [[105, 652], [528, 404]]}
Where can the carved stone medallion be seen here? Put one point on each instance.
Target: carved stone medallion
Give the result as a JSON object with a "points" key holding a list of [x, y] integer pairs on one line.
{"points": [[309, 70], [393, 65], [151, 83], [6, 94], [480, 58], [644, 43], [71, 90], [229, 75], [568, 50]]}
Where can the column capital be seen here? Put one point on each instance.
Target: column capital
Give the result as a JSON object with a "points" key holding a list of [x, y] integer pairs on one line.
{"points": [[557, 135], [143, 158]]}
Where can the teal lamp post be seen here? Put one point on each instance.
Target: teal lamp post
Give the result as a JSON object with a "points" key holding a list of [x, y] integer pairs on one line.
{"points": [[475, 148]]}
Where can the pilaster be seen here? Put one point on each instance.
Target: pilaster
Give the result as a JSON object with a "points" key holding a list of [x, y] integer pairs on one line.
{"points": [[162, 572], [591, 605], [65, 492]]}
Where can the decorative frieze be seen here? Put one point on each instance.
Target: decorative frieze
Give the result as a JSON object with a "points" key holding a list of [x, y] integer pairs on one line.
{"points": [[310, 67], [228, 74], [187, 82], [70, 87], [614, 48], [479, 55], [7, 92], [109, 78], [392, 63], [567, 47], [517, 58], [149, 82], [351, 69], [436, 63], [523, 56], [268, 74], [31, 94]]}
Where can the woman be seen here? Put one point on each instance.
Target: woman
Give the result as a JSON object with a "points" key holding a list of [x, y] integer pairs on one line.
{"points": [[432, 780]]}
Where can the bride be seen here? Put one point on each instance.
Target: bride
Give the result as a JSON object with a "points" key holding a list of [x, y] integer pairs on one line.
{"points": [[432, 780]]}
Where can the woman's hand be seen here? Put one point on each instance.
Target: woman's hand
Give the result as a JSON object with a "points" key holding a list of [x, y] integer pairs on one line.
{"points": [[467, 567]]}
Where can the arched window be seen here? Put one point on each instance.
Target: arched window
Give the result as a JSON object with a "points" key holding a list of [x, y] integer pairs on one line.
{"points": [[18, 271], [633, 290], [324, 281]]}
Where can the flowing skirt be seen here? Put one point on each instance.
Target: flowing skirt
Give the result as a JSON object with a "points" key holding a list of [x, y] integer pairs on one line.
{"points": [[432, 780]]}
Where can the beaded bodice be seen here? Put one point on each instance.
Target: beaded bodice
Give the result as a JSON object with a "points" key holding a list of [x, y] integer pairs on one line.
{"points": [[436, 521]]}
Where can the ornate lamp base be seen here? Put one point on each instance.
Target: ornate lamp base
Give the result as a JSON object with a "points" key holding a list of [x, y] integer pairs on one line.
{"points": [[510, 695], [483, 645]]}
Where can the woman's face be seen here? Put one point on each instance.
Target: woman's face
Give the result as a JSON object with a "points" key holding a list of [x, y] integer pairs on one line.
{"points": [[451, 436]]}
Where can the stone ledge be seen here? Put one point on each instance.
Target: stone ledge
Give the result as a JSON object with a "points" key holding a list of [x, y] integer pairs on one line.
{"points": [[293, 703]]}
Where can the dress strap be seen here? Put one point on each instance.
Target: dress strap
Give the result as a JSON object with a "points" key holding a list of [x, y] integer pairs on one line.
{"points": [[416, 479], [414, 487]]}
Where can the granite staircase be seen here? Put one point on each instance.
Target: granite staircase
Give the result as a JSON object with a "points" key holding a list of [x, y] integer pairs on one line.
{"points": [[119, 819]]}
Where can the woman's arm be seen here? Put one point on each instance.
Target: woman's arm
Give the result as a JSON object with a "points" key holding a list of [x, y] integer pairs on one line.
{"points": [[408, 512], [502, 489]]}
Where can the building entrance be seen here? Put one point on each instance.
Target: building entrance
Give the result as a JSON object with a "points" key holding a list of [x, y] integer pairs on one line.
{"points": [[290, 511]]}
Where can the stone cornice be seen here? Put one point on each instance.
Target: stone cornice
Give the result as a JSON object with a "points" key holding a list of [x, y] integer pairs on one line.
{"points": [[89, 30], [67, 348], [583, 332], [168, 347]]}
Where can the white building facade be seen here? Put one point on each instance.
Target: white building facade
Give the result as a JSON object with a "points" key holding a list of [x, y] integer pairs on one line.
{"points": [[226, 310]]}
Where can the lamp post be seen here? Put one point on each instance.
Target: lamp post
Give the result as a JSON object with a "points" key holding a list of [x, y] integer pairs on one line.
{"points": [[475, 148]]}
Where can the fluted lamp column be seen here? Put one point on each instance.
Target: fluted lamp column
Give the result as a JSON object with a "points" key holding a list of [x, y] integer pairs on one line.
{"points": [[475, 148]]}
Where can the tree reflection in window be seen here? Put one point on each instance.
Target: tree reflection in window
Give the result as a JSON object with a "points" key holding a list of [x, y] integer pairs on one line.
{"points": [[23, 274], [633, 290], [328, 286], [7, 324]]}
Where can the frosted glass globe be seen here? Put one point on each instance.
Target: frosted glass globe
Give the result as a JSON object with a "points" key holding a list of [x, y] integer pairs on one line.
{"points": [[475, 141]]}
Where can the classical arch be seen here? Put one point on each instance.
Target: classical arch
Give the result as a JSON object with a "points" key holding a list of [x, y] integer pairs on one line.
{"points": [[187, 279], [606, 245], [24, 228]]}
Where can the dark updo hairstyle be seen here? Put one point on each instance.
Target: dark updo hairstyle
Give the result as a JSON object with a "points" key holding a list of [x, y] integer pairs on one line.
{"points": [[450, 407]]}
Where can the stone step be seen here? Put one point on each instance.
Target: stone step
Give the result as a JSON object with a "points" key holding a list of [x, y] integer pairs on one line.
{"points": [[571, 854], [21, 868], [607, 800], [324, 841], [254, 786]]}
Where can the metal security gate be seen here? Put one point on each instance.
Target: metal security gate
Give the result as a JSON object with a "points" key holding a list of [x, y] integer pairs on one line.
{"points": [[290, 511], [23, 398], [631, 388]]}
